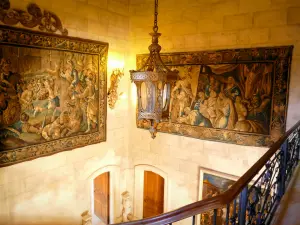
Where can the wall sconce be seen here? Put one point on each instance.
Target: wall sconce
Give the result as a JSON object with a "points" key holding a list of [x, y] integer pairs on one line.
{"points": [[112, 93]]}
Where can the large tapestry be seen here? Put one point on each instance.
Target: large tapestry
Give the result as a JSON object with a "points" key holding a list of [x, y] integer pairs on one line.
{"points": [[237, 96], [52, 94]]}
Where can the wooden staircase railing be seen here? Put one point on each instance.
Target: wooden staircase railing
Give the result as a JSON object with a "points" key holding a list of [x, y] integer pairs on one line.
{"points": [[253, 199]]}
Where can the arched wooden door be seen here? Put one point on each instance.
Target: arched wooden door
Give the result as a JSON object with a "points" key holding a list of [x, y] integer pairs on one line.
{"points": [[153, 194], [101, 197]]}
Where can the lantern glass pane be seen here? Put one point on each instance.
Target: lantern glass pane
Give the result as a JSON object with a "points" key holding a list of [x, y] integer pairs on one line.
{"points": [[165, 95], [144, 95], [151, 97]]}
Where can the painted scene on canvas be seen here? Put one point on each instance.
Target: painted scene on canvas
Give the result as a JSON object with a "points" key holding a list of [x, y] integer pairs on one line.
{"points": [[46, 95], [226, 96], [213, 185]]}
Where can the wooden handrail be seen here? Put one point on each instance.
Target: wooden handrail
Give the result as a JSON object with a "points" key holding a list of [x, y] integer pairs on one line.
{"points": [[218, 201]]}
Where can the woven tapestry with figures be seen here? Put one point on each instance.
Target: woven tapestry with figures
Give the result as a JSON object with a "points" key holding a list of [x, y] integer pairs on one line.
{"points": [[52, 94], [237, 96]]}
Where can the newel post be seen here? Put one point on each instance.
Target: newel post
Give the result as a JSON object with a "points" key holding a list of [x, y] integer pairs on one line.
{"points": [[243, 205], [282, 166]]}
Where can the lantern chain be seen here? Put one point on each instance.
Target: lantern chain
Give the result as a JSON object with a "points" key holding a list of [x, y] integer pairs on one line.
{"points": [[155, 27]]}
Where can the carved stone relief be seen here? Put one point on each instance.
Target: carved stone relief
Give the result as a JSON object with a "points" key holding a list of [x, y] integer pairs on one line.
{"points": [[34, 17]]}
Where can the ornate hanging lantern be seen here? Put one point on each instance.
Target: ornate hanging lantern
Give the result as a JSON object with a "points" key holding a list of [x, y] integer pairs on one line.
{"points": [[153, 81]]}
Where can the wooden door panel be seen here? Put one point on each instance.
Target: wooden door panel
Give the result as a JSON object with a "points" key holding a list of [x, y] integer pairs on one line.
{"points": [[153, 194], [101, 197]]}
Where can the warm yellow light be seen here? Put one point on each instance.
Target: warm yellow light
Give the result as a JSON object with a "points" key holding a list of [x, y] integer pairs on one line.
{"points": [[115, 61], [115, 64], [123, 95]]}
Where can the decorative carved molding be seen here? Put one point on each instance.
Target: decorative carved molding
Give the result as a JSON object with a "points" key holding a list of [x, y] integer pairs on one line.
{"points": [[112, 94], [127, 214], [46, 21]]}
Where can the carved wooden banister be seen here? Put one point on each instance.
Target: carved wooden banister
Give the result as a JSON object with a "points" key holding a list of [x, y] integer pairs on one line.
{"points": [[273, 157]]}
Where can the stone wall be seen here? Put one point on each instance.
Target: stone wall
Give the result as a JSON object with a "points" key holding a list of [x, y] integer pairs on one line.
{"points": [[192, 25], [56, 189]]}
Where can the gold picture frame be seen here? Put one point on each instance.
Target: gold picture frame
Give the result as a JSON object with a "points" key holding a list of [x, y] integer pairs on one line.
{"points": [[213, 183]]}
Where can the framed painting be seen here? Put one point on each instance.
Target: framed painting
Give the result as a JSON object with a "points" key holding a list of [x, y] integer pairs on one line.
{"points": [[52, 94], [237, 96], [213, 183]]}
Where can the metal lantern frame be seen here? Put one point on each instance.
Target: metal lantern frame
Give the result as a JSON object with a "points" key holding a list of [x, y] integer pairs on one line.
{"points": [[154, 81]]}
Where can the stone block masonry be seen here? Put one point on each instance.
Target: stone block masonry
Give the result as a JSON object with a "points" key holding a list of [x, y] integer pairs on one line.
{"points": [[221, 24], [58, 185], [56, 189]]}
